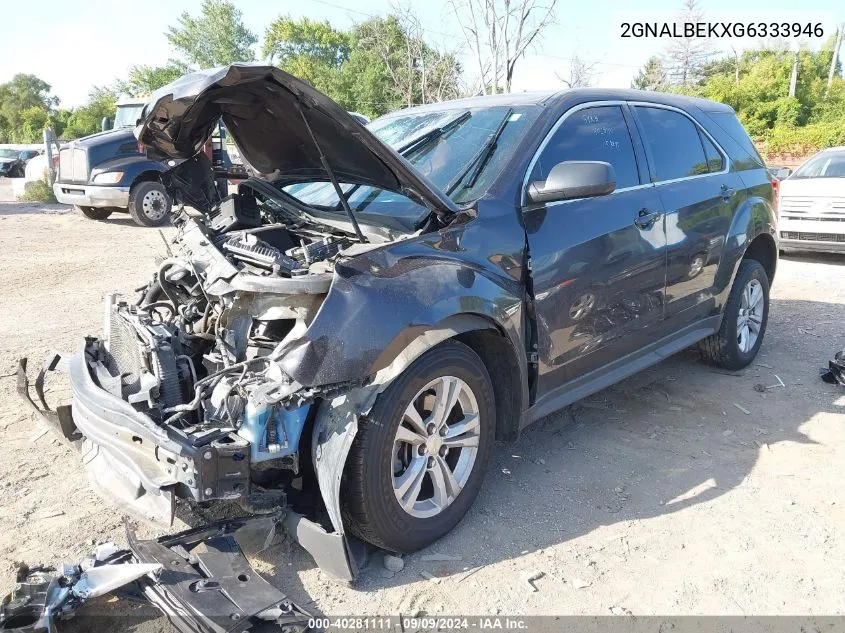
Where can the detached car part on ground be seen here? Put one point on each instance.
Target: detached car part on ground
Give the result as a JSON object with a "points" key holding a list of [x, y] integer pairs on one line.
{"points": [[352, 335], [200, 579]]}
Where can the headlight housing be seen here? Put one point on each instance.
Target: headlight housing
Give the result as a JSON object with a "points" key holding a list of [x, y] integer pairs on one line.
{"points": [[108, 178]]}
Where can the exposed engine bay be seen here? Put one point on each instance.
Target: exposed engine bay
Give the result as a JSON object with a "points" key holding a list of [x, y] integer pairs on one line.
{"points": [[196, 354]]}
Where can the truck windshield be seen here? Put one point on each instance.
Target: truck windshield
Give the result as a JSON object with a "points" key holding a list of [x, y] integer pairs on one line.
{"points": [[824, 165], [127, 115]]}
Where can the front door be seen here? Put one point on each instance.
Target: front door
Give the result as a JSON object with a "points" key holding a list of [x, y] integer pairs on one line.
{"points": [[598, 264]]}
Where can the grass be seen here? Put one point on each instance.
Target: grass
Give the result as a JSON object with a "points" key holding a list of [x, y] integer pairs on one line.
{"points": [[37, 191]]}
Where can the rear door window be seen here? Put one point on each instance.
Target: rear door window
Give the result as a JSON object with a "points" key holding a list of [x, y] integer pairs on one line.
{"points": [[674, 142], [598, 133]]}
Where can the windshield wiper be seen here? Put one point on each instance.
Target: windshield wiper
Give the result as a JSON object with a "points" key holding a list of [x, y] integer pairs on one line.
{"points": [[481, 158], [433, 134]]}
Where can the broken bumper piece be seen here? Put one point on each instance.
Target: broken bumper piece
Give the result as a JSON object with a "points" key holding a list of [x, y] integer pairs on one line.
{"points": [[200, 579], [141, 467]]}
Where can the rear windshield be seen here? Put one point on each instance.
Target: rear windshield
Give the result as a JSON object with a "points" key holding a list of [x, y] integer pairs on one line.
{"points": [[824, 165]]}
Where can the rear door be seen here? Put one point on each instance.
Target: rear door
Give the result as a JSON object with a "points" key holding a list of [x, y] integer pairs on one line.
{"points": [[597, 263], [699, 195]]}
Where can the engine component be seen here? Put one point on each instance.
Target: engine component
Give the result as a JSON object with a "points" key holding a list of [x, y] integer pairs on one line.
{"points": [[235, 212], [140, 358], [249, 249], [328, 247], [271, 430]]}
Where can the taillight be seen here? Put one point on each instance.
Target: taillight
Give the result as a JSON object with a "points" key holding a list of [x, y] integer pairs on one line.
{"points": [[775, 194]]}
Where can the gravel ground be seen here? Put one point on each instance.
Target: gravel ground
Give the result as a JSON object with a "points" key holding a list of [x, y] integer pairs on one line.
{"points": [[683, 490]]}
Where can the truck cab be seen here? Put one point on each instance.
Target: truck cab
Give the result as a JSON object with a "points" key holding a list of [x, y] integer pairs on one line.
{"points": [[109, 173]]}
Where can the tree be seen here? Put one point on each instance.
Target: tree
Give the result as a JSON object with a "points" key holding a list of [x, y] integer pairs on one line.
{"points": [[311, 50], [216, 38], [498, 32], [686, 56], [377, 66], [581, 73], [142, 80], [87, 119], [652, 76], [25, 108], [287, 39], [414, 71]]}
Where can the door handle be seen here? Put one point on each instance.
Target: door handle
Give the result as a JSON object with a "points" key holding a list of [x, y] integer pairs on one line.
{"points": [[645, 219], [726, 192]]}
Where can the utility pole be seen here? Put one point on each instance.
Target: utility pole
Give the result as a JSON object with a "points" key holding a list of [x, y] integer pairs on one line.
{"points": [[793, 81], [835, 55], [736, 66]]}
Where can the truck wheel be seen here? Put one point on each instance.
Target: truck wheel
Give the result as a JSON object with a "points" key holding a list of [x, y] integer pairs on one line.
{"points": [[149, 203], [744, 320], [418, 460], [95, 213]]}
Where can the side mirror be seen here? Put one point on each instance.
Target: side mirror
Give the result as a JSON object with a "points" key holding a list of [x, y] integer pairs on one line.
{"points": [[574, 179], [105, 124], [784, 172]]}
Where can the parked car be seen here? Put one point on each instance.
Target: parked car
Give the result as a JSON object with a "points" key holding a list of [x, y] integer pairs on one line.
{"points": [[357, 327], [13, 161], [812, 204]]}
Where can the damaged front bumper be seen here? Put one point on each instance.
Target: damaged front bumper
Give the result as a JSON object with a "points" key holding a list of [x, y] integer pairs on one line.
{"points": [[200, 579], [143, 468]]}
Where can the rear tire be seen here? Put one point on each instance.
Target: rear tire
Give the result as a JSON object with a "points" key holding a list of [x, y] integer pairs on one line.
{"points": [[380, 459], [149, 204], [733, 347], [95, 213]]}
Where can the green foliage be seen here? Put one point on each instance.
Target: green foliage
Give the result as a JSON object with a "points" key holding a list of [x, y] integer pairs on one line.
{"points": [[216, 38], [802, 140], [143, 80], [87, 119], [756, 85], [652, 76], [287, 39], [25, 109], [377, 66], [37, 191]]}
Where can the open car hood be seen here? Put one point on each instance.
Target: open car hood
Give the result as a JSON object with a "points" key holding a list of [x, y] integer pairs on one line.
{"points": [[263, 109]]}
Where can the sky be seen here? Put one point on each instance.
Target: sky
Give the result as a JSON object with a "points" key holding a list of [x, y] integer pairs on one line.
{"points": [[76, 44]]}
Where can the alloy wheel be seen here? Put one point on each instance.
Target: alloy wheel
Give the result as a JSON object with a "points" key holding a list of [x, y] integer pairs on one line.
{"points": [[435, 446], [750, 318]]}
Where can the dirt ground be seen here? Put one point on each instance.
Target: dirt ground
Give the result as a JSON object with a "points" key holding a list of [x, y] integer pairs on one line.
{"points": [[683, 490]]}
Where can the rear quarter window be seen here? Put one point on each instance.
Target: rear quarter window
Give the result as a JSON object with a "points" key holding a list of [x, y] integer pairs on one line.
{"points": [[743, 153]]}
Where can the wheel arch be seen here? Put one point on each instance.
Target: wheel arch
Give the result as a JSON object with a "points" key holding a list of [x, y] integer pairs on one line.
{"points": [[752, 235], [149, 175], [496, 350], [764, 249]]}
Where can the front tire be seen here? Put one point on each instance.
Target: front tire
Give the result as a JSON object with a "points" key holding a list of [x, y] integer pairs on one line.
{"points": [[419, 458], [95, 213], [744, 320], [149, 203]]}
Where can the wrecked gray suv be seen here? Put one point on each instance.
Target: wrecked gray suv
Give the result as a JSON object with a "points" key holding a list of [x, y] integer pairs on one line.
{"points": [[353, 329]]}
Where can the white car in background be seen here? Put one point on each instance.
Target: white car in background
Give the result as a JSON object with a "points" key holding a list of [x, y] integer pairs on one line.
{"points": [[812, 204]]}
